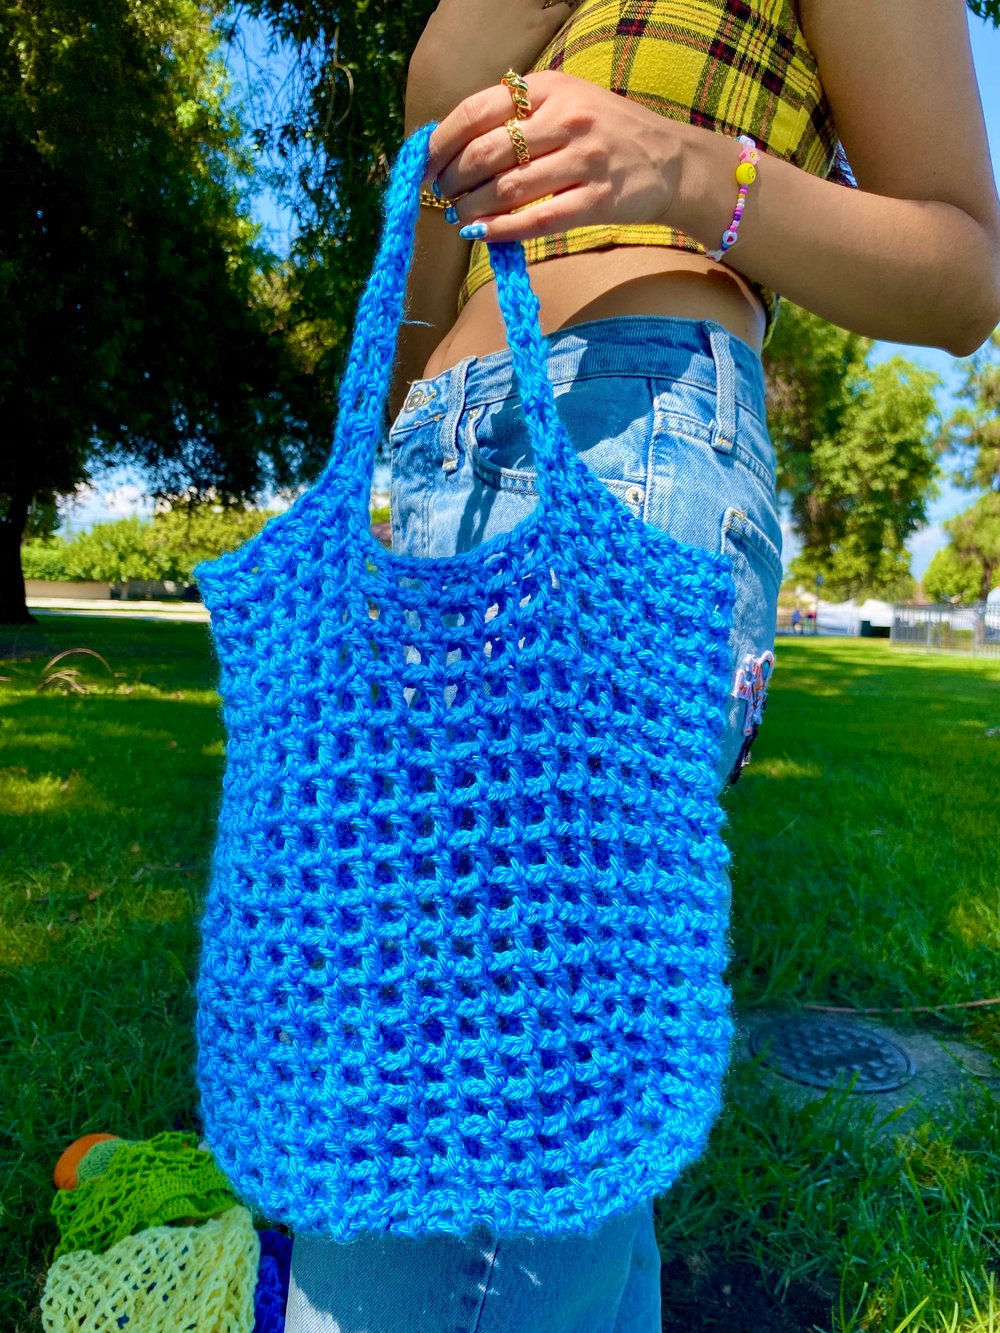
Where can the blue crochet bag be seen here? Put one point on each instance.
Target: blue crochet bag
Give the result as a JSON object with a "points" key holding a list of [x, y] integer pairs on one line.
{"points": [[463, 944]]}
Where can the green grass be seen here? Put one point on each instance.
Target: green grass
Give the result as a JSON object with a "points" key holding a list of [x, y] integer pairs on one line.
{"points": [[865, 872]]}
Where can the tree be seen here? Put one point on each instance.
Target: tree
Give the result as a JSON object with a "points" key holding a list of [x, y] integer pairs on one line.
{"points": [[969, 567], [972, 433], [987, 9], [136, 322], [855, 454], [334, 127]]}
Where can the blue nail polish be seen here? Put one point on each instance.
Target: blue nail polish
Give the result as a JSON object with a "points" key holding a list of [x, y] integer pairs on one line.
{"points": [[450, 214], [475, 231], [436, 189]]}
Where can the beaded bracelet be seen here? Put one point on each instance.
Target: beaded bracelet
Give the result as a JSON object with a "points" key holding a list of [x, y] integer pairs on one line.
{"points": [[746, 174]]}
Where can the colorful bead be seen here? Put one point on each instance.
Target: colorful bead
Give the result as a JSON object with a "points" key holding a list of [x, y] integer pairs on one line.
{"points": [[746, 174]]}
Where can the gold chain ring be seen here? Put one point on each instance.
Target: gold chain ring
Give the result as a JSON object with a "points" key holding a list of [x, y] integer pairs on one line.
{"points": [[517, 139], [518, 90]]}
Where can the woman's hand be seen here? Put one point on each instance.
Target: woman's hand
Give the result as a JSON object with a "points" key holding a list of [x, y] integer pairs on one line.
{"points": [[469, 44], [601, 158]]}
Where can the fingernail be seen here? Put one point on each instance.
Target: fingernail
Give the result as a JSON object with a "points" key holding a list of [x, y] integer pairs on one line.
{"points": [[436, 189], [475, 231], [450, 214]]}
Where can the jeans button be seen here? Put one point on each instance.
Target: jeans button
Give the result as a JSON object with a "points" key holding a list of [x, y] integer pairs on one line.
{"points": [[634, 495], [416, 398]]}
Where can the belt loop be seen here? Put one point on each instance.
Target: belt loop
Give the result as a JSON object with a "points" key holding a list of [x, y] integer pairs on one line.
{"points": [[448, 433], [724, 425]]}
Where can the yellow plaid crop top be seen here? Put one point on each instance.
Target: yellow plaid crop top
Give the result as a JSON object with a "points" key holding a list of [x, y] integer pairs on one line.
{"points": [[734, 66]]}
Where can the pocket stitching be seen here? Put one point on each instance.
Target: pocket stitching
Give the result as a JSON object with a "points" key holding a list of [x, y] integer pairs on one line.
{"points": [[739, 527], [524, 481]]}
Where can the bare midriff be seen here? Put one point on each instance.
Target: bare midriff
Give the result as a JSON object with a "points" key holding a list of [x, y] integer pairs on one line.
{"points": [[603, 284]]}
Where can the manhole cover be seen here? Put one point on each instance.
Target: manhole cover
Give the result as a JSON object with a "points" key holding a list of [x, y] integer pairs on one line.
{"points": [[825, 1053]]}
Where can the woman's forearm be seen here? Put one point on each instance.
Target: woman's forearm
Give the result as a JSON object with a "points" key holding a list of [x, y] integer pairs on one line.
{"points": [[903, 270]]}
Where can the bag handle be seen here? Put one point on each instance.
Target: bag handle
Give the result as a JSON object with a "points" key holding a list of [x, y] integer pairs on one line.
{"points": [[364, 389]]}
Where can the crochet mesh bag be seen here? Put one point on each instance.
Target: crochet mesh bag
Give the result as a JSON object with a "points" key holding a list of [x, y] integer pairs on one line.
{"points": [[273, 1276], [463, 944], [145, 1183], [198, 1279]]}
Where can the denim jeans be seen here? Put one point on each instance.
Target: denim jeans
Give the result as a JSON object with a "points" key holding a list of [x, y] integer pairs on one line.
{"points": [[669, 415]]}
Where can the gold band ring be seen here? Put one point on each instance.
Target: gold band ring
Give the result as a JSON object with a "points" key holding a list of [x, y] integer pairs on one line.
{"points": [[517, 139], [518, 90]]}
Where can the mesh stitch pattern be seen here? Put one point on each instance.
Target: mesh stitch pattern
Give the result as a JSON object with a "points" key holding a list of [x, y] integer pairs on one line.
{"points": [[164, 1279], [463, 944], [145, 1183]]}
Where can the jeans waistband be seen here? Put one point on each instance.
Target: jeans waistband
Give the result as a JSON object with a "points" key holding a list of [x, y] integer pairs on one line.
{"points": [[649, 346]]}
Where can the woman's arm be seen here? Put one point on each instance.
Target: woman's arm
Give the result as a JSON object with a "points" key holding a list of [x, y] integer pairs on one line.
{"points": [[465, 45], [912, 256]]}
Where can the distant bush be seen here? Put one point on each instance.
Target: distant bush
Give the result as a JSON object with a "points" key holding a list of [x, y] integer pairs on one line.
{"points": [[113, 552], [44, 558], [168, 546], [180, 538]]}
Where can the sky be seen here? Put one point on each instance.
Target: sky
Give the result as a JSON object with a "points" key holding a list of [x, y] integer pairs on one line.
{"points": [[121, 492]]}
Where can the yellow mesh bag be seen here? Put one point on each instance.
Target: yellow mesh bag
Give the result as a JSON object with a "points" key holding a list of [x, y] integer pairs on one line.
{"points": [[196, 1279]]}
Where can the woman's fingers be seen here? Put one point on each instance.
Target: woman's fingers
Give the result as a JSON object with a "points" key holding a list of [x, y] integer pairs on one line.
{"points": [[516, 188], [492, 157], [475, 118], [573, 207]]}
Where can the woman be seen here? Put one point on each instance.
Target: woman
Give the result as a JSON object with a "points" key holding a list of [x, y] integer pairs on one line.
{"points": [[621, 154]]}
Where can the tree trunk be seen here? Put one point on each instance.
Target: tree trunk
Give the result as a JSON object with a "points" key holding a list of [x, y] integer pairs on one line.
{"points": [[13, 606]]}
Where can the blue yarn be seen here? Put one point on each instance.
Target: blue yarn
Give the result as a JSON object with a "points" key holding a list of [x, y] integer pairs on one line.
{"points": [[270, 1296], [462, 948]]}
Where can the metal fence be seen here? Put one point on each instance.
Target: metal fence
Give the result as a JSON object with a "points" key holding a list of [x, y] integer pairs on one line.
{"points": [[949, 629]]}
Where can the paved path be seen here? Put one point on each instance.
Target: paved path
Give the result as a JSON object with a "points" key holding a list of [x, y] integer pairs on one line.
{"points": [[96, 606]]}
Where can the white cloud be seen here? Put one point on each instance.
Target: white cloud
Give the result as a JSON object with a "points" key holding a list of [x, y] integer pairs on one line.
{"points": [[116, 495]]}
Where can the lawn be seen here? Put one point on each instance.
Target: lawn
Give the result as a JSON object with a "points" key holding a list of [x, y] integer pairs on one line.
{"points": [[865, 873]]}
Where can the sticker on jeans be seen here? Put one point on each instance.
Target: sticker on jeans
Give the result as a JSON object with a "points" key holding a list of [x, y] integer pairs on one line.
{"points": [[751, 686]]}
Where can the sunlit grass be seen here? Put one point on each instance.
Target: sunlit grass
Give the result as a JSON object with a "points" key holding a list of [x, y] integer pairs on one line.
{"points": [[864, 870]]}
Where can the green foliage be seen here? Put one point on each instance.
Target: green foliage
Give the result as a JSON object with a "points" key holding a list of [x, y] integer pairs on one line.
{"points": [[969, 567], [143, 319], [950, 576], [972, 432], [987, 9], [855, 452], [44, 558], [334, 126], [112, 552], [181, 537], [168, 546]]}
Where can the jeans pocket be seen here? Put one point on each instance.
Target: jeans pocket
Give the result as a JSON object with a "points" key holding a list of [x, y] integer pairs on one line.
{"points": [[756, 564], [609, 423]]}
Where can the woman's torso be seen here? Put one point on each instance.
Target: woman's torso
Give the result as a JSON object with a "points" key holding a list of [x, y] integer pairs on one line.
{"points": [[600, 284], [617, 280]]}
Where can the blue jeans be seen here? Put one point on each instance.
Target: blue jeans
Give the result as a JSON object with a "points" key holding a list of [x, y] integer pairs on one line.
{"points": [[669, 415]]}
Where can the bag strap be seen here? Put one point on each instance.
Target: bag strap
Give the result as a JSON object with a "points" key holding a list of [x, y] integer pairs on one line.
{"points": [[364, 389]]}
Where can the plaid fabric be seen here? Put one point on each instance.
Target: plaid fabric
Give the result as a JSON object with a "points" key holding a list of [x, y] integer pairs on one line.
{"points": [[734, 66]]}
